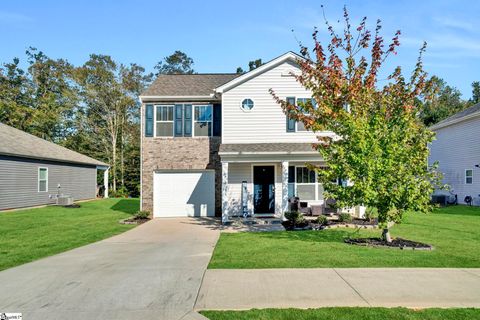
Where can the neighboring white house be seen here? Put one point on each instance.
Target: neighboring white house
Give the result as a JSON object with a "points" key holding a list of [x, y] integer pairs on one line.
{"points": [[457, 149], [219, 144]]}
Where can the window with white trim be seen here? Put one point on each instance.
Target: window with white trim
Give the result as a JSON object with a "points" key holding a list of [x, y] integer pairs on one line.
{"points": [[305, 183], [247, 104], [42, 179], [203, 121], [468, 176], [164, 121], [301, 102]]}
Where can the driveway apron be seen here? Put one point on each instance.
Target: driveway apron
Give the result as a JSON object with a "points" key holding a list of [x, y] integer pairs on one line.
{"points": [[151, 272]]}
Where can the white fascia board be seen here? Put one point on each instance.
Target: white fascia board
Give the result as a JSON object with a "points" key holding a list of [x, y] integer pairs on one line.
{"points": [[251, 74], [178, 98], [249, 158], [454, 121], [267, 152]]}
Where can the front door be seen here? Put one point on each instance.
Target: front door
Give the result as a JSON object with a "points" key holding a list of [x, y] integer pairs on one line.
{"points": [[263, 189]]}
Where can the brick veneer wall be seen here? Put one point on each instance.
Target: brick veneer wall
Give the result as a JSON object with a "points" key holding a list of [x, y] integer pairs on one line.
{"points": [[179, 153]]}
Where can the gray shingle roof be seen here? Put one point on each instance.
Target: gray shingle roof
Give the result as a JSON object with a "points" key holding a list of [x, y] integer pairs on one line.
{"points": [[188, 84], [15, 142], [459, 115], [268, 147]]}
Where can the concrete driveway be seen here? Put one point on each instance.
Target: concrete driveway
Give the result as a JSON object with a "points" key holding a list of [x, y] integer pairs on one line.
{"points": [[151, 272]]}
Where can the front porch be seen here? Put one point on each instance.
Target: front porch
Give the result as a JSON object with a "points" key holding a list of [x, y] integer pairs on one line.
{"points": [[258, 180]]}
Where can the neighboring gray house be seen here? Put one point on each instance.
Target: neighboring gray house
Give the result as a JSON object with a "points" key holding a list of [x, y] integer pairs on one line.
{"points": [[33, 171], [219, 144], [457, 149]]}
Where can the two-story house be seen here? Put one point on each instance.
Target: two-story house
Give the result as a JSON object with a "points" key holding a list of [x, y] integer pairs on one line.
{"points": [[219, 144]]}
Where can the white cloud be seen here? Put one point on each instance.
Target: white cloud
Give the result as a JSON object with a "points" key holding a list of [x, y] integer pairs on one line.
{"points": [[14, 18], [446, 45], [456, 24]]}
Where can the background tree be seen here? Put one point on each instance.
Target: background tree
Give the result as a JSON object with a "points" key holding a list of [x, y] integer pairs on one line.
{"points": [[252, 65], [40, 99], [475, 92], [92, 109], [54, 96], [110, 113], [379, 144], [445, 102], [16, 92], [178, 62]]}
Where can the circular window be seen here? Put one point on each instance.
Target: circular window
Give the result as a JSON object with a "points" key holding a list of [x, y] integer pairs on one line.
{"points": [[247, 104]]}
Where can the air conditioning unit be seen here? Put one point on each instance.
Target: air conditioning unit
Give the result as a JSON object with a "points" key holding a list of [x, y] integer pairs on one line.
{"points": [[64, 201]]}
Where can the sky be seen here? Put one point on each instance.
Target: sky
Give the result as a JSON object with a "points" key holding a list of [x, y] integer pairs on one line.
{"points": [[223, 35]]}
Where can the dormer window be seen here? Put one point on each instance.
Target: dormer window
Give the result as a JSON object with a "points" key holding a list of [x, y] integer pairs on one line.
{"points": [[247, 104]]}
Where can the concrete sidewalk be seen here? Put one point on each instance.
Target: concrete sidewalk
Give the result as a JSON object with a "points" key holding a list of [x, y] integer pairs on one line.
{"points": [[238, 289]]}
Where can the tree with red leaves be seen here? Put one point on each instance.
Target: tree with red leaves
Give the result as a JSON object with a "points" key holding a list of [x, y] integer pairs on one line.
{"points": [[378, 142]]}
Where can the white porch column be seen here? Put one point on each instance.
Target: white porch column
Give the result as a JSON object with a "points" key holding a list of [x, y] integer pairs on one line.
{"points": [[105, 182], [225, 192], [284, 187]]}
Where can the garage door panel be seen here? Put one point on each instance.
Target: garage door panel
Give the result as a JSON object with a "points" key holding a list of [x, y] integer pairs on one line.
{"points": [[181, 194]]}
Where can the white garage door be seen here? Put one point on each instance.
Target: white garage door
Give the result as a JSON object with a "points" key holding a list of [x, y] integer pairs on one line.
{"points": [[183, 194]]}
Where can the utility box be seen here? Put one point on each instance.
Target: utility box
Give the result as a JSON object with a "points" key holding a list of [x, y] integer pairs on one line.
{"points": [[64, 200]]}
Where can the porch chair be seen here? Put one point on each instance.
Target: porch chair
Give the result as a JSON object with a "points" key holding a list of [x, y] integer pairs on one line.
{"points": [[303, 208], [329, 207]]}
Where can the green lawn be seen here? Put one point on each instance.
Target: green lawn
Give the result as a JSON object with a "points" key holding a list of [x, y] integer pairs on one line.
{"points": [[453, 231], [31, 234], [346, 314]]}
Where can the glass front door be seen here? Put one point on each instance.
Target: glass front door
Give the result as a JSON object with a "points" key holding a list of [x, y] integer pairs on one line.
{"points": [[264, 189]]}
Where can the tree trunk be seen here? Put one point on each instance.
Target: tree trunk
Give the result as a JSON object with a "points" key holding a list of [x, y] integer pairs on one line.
{"points": [[122, 159], [386, 235], [114, 164]]}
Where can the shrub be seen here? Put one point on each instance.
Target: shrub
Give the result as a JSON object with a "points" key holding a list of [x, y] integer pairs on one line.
{"points": [[322, 220], [121, 192], [291, 215], [345, 217], [294, 217], [370, 213], [142, 214]]}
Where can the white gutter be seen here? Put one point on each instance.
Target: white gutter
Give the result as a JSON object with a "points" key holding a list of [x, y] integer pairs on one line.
{"points": [[178, 98], [265, 152], [454, 121]]}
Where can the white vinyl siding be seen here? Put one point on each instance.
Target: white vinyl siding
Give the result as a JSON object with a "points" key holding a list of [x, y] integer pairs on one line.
{"points": [[266, 122], [456, 148]]}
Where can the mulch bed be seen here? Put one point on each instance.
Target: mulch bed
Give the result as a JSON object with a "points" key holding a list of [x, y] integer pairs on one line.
{"points": [[296, 227], [397, 243], [134, 221], [312, 225]]}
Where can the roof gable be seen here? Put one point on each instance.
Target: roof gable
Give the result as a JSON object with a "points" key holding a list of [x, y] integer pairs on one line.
{"points": [[289, 56], [14, 142]]}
